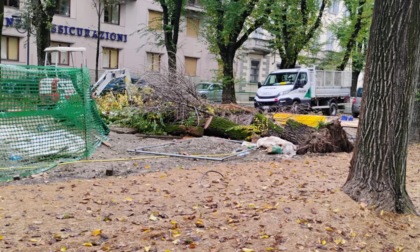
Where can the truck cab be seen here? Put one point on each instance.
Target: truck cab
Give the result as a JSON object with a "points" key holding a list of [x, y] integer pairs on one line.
{"points": [[284, 87]]}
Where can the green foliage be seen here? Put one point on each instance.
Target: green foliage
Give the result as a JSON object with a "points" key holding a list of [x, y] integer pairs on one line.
{"points": [[321, 125], [294, 23], [191, 120], [149, 123], [228, 25], [352, 32]]}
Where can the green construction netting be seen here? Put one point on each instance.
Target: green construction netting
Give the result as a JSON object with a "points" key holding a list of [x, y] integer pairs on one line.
{"points": [[47, 116]]}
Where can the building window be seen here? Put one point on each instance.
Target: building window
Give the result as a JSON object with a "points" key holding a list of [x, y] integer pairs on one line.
{"points": [[255, 71], [192, 27], [191, 66], [155, 20], [63, 58], [11, 3], [112, 14], [334, 7], [63, 7], [9, 48], [153, 62], [110, 58]]}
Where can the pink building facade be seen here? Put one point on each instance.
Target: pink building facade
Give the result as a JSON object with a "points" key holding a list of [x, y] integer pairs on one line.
{"points": [[126, 40]]}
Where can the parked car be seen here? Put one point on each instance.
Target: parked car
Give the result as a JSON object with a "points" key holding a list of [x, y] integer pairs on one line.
{"points": [[210, 91], [355, 108]]}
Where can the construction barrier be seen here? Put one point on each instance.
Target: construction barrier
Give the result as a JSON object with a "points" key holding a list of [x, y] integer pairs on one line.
{"points": [[47, 116]]}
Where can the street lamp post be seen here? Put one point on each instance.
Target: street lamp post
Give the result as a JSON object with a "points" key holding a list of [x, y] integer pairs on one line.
{"points": [[24, 26]]}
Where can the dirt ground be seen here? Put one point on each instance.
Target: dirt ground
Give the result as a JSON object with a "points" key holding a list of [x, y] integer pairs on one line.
{"points": [[256, 202]]}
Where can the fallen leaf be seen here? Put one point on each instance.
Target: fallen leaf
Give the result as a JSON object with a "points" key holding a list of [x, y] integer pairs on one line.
{"points": [[199, 223], [174, 224], [88, 244], [329, 229], [96, 232], [339, 241], [147, 248], [153, 218], [63, 249], [264, 236], [1, 237], [65, 216], [247, 250], [106, 247], [176, 233]]}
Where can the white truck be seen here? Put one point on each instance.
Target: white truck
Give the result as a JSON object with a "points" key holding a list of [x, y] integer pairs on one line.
{"points": [[318, 90]]}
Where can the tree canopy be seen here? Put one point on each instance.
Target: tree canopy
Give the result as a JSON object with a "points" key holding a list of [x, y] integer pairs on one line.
{"points": [[228, 25], [293, 24]]}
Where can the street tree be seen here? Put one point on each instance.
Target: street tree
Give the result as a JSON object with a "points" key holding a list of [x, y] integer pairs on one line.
{"points": [[353, 33], [107, 8], [172, 11], [41, 13], [228, 25], [293, 24], [377, 174]]}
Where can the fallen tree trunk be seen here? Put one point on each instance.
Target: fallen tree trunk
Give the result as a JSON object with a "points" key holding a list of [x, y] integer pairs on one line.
{"points": [[329, 138]]}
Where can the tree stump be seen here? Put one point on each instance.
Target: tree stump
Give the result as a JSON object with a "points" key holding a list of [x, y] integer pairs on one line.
{"points": [[329, 138]]}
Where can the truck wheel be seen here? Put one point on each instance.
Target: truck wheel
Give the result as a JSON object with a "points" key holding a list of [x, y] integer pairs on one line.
{"points": [[333, 109]]}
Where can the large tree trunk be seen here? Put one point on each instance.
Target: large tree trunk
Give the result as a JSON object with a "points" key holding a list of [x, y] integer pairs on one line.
{"points": [[43, 16], [228, 93], [288, 61], [354, 77], [171, 18], [43, 39], [378, 167]]}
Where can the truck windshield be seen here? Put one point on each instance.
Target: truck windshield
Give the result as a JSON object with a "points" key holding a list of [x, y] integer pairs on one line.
{"points": [[276, 79]]}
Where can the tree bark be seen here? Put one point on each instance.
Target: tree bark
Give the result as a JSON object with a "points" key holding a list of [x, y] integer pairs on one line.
{"points": [[171, 19], [228, 92], [354, 77], [43, 16], [378, 168]]}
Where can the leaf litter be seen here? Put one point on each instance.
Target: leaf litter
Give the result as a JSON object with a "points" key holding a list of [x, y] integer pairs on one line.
{"points": [[254, 203]]}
